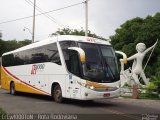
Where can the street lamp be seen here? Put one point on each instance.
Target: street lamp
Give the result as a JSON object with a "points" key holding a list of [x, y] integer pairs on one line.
{"points": [[25, 28]]}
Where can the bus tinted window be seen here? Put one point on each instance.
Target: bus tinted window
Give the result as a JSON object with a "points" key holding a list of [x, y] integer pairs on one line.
{"points": [[47, 53], [18, 58], [52, 54], [28, 56], [38, 55], [8, 60]]}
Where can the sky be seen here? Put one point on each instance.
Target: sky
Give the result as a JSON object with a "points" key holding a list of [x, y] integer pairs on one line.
{"points": [[105, 16]]}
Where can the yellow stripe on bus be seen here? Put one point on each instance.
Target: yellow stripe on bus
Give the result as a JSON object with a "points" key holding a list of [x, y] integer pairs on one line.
{"points": [[19, 85]]}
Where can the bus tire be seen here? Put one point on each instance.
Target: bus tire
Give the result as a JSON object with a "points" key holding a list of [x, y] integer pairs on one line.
{"points": [[57, 94], [12, 89]]}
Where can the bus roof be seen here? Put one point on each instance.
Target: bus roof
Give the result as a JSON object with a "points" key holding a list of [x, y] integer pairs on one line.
{"points": [[60, 38]]}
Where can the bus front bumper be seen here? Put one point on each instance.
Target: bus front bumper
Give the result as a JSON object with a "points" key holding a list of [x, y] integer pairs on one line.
{"points": [[88, 94]]}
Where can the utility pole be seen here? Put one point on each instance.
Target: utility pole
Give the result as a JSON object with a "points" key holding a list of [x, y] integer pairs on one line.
{"points": [[86, 14], [33, 31]]}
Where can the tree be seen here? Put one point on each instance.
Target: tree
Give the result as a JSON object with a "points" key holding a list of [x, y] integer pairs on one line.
{"points": [[2, 47], [10, 45], [68, 31], [24, 42], [137, 30]]}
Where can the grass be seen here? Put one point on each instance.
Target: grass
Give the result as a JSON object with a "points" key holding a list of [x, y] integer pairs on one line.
{"points": [[2, 112], [149, 96]]}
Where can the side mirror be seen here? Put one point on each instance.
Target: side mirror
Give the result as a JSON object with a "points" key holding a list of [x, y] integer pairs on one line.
{"points": [[123, 61], [124, 56], [81, 53]]}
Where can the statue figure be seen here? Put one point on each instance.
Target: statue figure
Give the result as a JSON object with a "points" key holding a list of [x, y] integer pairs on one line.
{"points": [[137, 64]]}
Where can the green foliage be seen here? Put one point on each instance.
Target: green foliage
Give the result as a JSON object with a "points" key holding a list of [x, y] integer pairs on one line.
{"points": [[156, 81], [2, 112], [68, 31], [10, 45], [153, 89], [151, 86], [2, 47], [24, 42], [137, 30], [150, 91]]}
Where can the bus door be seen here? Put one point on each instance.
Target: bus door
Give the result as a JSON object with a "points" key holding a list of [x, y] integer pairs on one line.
{"points": [[74, 75]]}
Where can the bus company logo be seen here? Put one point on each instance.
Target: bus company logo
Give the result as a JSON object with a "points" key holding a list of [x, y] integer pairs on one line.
{"points": [[91, 40], [37, 67]]}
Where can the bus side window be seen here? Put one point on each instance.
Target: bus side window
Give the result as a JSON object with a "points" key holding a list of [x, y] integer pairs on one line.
{"points": [[18, 58], [7, 60], [52, 53], [28, 56], [38, 56]]}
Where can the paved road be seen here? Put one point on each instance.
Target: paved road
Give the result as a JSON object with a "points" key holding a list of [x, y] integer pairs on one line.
{"points": [[119, 108]]}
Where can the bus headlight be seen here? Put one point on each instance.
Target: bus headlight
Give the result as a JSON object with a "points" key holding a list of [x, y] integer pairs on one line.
{"points": [[88, 86], [92, 87]]}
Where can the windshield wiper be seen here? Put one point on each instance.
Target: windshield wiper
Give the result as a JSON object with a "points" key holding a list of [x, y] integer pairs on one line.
{"points": [[107, 65]]}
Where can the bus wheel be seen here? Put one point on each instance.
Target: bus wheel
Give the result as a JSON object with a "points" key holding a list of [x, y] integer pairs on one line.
{"points": [[57, 94], [12, 89]]}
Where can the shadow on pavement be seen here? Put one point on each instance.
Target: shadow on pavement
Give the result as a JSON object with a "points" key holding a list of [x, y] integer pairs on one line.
{"points": [[89, 103], [34, 96], [80, 103]]}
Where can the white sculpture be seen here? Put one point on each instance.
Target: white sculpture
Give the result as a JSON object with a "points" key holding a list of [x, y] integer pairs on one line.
{"points": [[137, 64]]}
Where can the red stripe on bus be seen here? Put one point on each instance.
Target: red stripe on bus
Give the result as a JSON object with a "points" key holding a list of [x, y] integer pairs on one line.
{"points": [[23, 81]]}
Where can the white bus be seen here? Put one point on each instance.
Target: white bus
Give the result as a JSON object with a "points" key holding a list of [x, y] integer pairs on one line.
{"points": [[66, 66]]}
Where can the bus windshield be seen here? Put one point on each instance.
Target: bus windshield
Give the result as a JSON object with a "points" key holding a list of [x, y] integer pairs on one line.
{"points": [[101, 63]]}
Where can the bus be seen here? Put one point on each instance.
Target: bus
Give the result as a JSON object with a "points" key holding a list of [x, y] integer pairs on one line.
{"points": [[63, 66]]}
